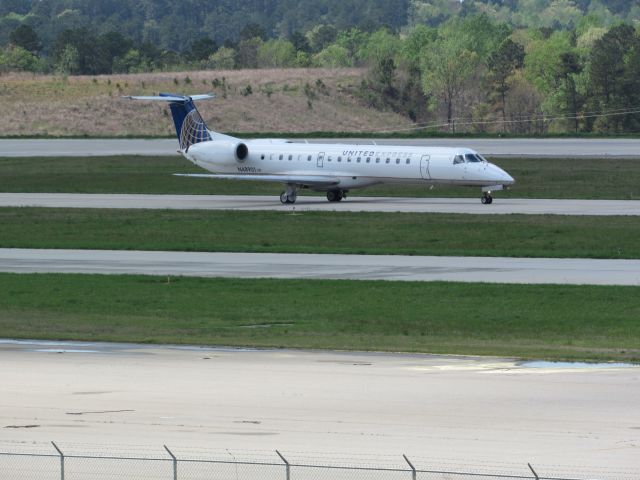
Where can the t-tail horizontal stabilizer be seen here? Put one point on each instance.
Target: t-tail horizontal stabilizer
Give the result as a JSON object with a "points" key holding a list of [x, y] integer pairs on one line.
{"points": [[190, 128]]}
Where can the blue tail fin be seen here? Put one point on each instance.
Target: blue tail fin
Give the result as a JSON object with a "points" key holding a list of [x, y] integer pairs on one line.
{"points": [[190, 128]]}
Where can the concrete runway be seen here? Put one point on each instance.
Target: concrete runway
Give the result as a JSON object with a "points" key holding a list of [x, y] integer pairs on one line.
{"points": [[325, 266], [309, 203], [515, 147], [465, 413]]}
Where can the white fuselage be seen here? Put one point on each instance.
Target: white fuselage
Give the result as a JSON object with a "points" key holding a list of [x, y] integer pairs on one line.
{"points": [[355, 165]]}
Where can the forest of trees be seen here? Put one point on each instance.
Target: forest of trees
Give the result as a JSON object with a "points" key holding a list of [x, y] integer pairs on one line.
{"points": [[522, 66]]}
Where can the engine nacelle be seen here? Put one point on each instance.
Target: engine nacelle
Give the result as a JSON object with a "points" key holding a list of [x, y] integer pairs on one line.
{"points": [[221, 152], [242, 152]]}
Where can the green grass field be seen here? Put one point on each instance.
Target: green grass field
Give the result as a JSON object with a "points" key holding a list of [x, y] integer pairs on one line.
{"points": [[322, 232], [541, 321], [536, 178], [531, 321]]}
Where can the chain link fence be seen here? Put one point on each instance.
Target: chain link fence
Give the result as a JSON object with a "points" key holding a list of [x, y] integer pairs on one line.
{"points": [[170, 465]]}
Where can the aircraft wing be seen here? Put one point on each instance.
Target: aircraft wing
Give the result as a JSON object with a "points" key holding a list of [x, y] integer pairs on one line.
{"points": [[314, 180]]}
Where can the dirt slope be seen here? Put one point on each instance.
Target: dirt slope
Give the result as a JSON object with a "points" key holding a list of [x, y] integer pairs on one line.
{"points": [[286, 100]]}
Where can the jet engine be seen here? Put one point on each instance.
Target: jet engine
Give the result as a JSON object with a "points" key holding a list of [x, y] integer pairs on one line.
{"points": [[219, 152], [241, 151]]}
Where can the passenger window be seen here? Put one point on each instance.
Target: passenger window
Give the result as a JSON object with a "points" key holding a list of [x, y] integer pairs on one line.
{"points": [[359, 159], [329, 158], [280, 157], [408, 161], [397, 160], [290, 157], [309, 158], [388, 160], [340, 159], [378, 160], [368, 159], [458, 159], [348, 159], [262, 157]]}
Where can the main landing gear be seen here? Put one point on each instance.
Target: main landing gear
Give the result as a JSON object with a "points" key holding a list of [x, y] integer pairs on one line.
{"points": [[336, 195], [486, 198], [290, 197]]}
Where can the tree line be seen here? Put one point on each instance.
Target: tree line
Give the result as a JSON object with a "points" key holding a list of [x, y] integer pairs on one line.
{"points": [[469, 73], [172, 25]]}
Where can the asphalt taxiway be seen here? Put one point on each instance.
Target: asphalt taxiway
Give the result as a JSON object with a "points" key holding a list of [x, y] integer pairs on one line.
{"points": [[512, 147], [464, 413], [317, 203], [575, 271]]}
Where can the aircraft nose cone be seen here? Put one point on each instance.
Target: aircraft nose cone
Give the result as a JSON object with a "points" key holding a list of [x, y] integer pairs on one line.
{"points": [[504, 177], [508, 179]]}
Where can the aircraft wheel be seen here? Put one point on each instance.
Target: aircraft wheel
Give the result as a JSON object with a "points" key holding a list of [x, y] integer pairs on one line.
{"points": [[288, 198], [332, 196], [486, 199]]}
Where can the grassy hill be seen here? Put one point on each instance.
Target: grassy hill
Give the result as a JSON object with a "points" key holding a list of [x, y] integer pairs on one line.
{"points": [[290, 100]]}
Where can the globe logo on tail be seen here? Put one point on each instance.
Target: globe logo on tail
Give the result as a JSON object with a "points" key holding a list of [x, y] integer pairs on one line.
{"points": [[193, 130]]}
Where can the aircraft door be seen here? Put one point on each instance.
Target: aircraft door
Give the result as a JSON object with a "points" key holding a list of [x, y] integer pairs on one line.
{"points": [[424, 167], [320, 159]]}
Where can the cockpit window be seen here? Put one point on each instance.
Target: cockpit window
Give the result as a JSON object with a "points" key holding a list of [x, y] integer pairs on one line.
{"points": [[471, 158], [458, 159]]}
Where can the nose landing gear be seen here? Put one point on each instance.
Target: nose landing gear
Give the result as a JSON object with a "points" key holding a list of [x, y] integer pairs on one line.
{"points": [[486, 198]]}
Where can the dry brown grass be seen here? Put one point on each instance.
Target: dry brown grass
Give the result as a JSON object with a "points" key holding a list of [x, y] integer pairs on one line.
{"points": [[85, 105]]}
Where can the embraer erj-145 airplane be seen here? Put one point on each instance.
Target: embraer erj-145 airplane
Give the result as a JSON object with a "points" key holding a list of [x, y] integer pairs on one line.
{"points": [[332, 168]]}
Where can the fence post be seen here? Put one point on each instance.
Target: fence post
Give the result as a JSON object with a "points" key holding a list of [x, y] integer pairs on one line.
{"points": [[61, 460], [288, 467], [413, 469], [533, 471], [175, 462]]}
